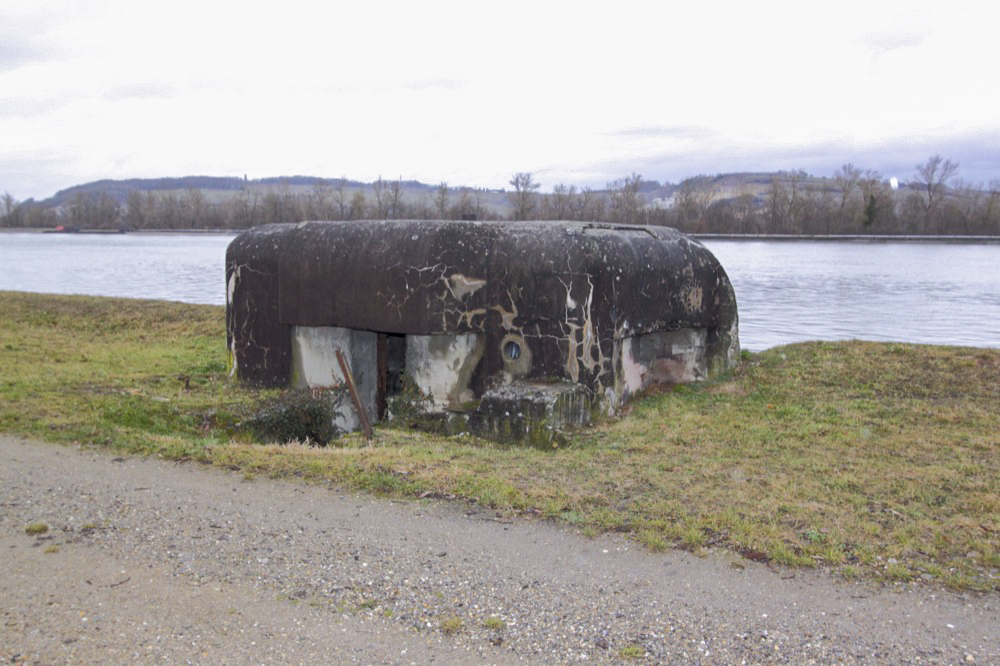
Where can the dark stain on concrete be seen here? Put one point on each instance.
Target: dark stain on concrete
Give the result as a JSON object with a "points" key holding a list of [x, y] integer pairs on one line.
{"points": [[567, 293]]}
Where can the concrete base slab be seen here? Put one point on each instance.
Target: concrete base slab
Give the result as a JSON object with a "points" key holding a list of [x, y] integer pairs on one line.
{"points": [[532, 414]]}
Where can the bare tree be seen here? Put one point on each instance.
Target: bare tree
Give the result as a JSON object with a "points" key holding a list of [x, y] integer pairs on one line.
{"points": [[441, 201], [80, 210], [8, 210], [281, 205], [878, 203], [591, 206], [746, 214], [135, 212], [847, 179], [358, 205], [991, 209], [626, 204], [246, 210], [318, 205], [932, 177], [394, 202], [560, 204], [388, 199], [342, 205], [523, 196], [95, 210], [149, 212], [973, 209], [195, 208], [964, 208], [818, 208], [381, 191], [169, 213], [479, 206], [785, 203], [694, 196], [466, 207]]}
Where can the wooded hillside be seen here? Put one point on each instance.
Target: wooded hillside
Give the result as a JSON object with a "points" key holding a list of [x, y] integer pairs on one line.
{"points": [[853, 201]]}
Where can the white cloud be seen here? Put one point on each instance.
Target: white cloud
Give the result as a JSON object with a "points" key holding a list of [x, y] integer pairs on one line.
{"points": [[470, 92]]}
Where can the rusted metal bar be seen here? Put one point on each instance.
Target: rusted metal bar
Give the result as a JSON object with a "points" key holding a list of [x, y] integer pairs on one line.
{"points": [[353, 390]]}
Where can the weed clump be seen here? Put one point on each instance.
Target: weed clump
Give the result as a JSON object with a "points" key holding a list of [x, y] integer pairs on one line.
{"points": [[293, 416], [452, 625], [408, 408], [494, 623], [36, 529], [632, 652]]}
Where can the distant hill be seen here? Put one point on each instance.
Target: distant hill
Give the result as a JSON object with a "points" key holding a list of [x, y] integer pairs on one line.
{"points": [[784, 202], [728, 185], [119, 189]]}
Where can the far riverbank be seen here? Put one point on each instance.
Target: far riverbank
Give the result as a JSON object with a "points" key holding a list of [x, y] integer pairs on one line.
{"points": [[863, 238], [860, 238]]}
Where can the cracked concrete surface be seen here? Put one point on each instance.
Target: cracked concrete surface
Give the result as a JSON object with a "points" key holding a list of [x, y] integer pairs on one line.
{"points": [[573, 292]]}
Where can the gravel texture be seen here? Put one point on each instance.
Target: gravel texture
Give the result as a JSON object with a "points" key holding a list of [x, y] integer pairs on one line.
{"points": [[146, 561]]}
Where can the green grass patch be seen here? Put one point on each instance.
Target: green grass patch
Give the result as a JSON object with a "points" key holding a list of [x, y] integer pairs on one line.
{"points": [[452, 625], [494, 624], [874, 460], [36, 529], [632, 652]]}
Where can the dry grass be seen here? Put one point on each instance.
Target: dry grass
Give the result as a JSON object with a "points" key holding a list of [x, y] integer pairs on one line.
{"points": [[874, 460]]}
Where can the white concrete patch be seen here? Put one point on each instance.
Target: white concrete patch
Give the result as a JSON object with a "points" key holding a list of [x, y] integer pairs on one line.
{"points": [[666, 357], [232, 285], [234, 370], [314, 355], [633, 372], [345, 416], [442, 365], [461, 285], [314, 365]]}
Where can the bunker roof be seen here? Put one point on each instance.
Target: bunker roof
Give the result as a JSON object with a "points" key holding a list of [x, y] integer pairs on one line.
{"points": [[431, 277]]}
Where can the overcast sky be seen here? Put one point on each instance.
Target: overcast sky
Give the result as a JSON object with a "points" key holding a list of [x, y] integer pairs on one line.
{"points": [[470, 92]]}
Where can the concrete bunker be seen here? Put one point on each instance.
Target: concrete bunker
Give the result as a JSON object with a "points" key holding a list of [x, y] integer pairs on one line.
{"points": [[517, 328]]}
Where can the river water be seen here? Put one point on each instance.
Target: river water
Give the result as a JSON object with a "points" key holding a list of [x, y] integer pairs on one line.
{"points": [[787, 291]]}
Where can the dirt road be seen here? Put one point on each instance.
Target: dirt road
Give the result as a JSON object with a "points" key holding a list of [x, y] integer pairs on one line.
{"points": [[146, 561]]}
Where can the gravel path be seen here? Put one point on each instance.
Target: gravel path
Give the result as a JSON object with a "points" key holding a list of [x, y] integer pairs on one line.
{"points": [[147, 561]]}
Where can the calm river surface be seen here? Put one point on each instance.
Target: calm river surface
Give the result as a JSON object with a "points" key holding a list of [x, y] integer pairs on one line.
{"points": [[787, 291]]}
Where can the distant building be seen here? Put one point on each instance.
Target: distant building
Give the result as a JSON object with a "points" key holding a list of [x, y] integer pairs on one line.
{"points": [[662, 203]]}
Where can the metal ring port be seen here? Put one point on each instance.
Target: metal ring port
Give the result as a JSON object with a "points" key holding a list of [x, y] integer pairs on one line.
{"points": [[516, 355]]}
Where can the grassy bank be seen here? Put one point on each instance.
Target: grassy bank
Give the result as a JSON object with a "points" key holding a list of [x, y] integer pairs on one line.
{"points": [[874, 460]]}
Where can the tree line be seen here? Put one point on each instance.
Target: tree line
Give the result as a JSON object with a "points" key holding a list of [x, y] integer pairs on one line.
{"points": [[247, 207], [854, 201]]}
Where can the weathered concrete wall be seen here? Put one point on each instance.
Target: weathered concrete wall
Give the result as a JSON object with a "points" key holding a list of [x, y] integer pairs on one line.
{"points": [[442, 366], [609, 307], [666, 357], [567, 289], [259, 341], [314, 365], [535, 414]]}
